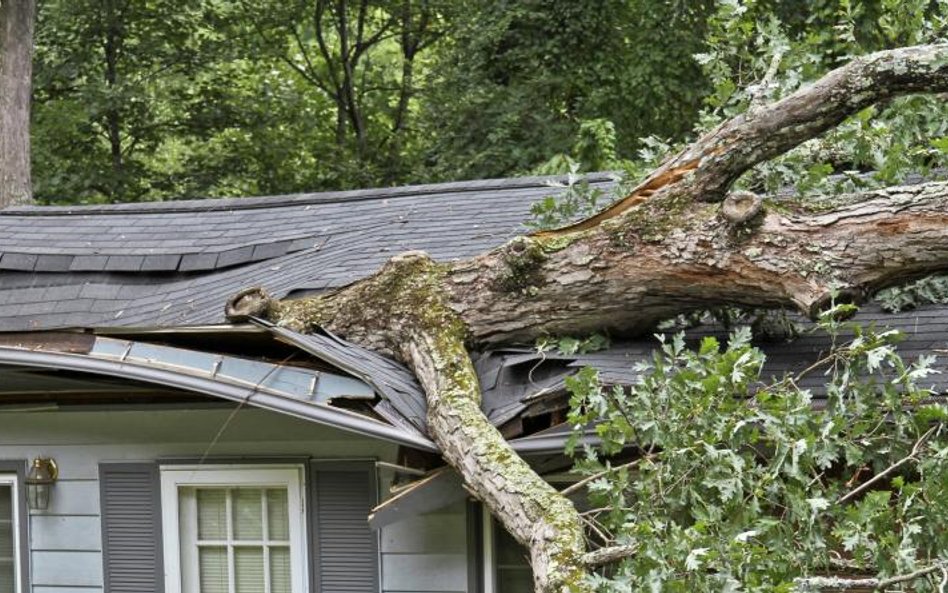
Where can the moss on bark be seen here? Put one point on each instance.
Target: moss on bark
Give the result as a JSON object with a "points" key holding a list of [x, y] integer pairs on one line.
{"points": [[407, 299]]}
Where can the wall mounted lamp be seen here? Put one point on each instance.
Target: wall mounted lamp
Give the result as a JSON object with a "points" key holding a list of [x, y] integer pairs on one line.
{"points": [[39, 483]]}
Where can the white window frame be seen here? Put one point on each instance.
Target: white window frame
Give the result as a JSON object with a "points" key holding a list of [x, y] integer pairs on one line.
{"points": [[290, 477], [489, 554], [12, 481], [487, 543]]}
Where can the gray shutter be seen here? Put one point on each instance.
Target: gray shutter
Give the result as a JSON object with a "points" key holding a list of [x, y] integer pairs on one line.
{"points": [[345, 550], [131, 528]]}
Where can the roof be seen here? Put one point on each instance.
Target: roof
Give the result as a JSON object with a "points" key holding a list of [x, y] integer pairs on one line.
{"points": [[517, 381], [166, 264], [161, 266]]}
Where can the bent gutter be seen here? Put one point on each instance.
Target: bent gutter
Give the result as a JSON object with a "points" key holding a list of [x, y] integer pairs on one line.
{"points": [[318, 413]]}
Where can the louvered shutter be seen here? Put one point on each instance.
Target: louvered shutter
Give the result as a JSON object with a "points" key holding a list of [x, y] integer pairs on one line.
{"points": [[345, 550], [131, 528]]}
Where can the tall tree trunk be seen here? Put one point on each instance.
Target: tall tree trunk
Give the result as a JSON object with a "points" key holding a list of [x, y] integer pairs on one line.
{"points": [[111, 48], [16, 80], [675, 244]]}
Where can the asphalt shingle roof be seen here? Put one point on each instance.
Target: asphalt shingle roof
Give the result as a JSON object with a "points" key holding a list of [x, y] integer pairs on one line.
{"points": [[514, 378], [176, 263]]}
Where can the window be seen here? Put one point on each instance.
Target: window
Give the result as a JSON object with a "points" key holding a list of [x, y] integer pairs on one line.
{"points": [[9, 534], [506, 562], [233, 529]]}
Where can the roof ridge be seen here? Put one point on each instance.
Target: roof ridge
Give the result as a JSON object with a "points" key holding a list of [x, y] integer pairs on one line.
{"points": [[287, 200]]}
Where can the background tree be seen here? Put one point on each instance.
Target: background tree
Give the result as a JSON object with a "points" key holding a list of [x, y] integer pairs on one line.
{"points": [[107, 76], [518, 83], [362, 56], [16, 67]]}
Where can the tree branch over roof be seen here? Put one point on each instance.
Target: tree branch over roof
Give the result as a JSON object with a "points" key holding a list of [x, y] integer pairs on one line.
{"points": [[665, 249], [705, 169]]}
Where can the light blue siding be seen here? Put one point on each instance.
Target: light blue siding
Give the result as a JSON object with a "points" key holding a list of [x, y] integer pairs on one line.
{"points": [[75, 497], [66, 540], [66, 533], [427, 553], [83, 569]]}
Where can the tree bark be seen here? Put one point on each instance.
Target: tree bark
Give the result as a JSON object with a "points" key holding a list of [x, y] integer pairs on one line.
{"points": [[664, 250], [111, 48], [16, 79]]}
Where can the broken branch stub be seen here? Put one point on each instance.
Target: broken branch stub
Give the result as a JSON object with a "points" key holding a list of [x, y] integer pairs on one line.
{"points": [[249, 302], [739, 207]]}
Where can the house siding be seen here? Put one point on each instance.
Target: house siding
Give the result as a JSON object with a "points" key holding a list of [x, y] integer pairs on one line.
{"points": [[66, 540], [427, 553]]}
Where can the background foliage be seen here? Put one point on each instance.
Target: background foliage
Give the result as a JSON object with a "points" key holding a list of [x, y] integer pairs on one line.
{"points": [[157, 100]]}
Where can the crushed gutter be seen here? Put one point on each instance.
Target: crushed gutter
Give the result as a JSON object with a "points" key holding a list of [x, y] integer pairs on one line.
{"points": [[186, 379]]}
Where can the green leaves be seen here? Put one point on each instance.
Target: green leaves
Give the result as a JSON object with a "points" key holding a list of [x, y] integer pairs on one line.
{"points": [[575, 199], [760, 52], [741, 482]]}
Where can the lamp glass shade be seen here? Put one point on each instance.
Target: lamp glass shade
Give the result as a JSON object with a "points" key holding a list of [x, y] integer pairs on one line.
{"points": [[39, 481], [37, 496]]}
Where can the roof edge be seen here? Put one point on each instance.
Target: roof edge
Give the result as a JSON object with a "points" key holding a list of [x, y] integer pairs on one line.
{"points": [[320, 414], [329, 197]]}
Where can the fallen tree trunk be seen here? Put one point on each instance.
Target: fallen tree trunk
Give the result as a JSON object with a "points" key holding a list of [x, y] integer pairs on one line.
{"points": [[664, 250]]}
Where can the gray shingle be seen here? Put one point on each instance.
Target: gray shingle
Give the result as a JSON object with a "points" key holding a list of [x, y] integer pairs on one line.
{"points": [[83, 263], [98, 291], [160, 262], [270, 250], [197, 261], [124, 263], [53, 263], [18, 261], [233, 257]]}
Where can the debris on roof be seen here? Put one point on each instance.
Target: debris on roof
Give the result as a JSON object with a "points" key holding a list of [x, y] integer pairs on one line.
{"points": [[146, 273]]}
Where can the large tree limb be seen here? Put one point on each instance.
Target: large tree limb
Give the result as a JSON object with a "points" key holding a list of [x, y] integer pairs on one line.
{"points": [[636, 263], [404, 310], [670, 255], [649, 264], [708, 166]]}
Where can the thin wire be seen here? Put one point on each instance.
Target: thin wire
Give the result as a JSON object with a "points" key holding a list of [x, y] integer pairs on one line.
{"points": [[239, 406]]}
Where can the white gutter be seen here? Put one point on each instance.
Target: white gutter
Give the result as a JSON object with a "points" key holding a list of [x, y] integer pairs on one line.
{"points": [[315, 412]]}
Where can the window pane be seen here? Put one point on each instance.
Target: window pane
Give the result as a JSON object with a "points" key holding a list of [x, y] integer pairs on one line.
{"points": [[248, 569], [212, 513], [277, 515], [213, 569], [248, 513], [279, 570], [514, 581], [509, 552], [7, 535], [513, 566]]}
